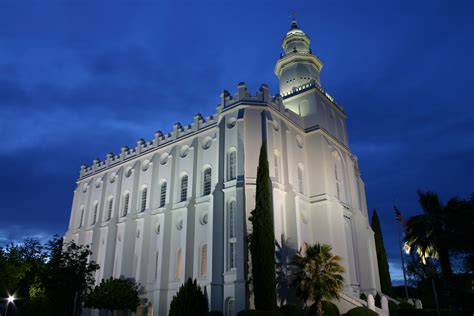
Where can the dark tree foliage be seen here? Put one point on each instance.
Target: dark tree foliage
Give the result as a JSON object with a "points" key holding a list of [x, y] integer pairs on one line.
{"points": [[49, 279], [20, 268], [384, 273], [440, 231], [68, 276], [189, 301], [262, 240], [114, 294]]}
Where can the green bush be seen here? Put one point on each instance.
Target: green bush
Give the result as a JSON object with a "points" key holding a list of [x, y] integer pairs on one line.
{"points": [[330, 309], [393, 308], [189, 301], [291, 310], [423, 312], [361, 311], [405, 305], [215, 313], [251, 312]]}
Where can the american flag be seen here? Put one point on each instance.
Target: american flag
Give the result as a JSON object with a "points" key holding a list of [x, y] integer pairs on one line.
{"points": [[398, 215]]}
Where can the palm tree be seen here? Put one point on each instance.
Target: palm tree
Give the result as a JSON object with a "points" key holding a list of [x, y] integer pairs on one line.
{"points": [[433, 233], [317, 274]]}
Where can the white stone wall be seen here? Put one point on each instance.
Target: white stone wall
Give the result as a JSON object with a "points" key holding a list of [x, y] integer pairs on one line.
{"points": [[318, 196]]}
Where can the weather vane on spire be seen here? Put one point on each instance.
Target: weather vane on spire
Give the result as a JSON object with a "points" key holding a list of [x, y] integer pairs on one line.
{"points": [[293, 20]]}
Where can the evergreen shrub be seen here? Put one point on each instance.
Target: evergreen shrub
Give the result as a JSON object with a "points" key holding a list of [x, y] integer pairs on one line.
{"points": [[252, 312], [393, 308], [361, 311], [291, 310], [189, 300], [329, 309]]}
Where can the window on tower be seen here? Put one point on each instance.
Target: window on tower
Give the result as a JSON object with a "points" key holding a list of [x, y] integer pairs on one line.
{"points": [[207, 181], [144, 198], [94, 213], [203, 270], [300, 179], [163, 194], [232, 165], [110, 208], [231, 240], [184, 188], [126, 202]]}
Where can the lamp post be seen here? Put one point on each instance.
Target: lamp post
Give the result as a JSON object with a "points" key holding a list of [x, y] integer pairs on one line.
{"points": [[10, 299]]}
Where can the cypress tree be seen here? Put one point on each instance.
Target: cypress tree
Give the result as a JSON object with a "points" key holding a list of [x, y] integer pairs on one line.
{"points": [[262, 239], [384, 273]]}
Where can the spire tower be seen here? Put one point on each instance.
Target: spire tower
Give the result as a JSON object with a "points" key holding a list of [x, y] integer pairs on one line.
{"points": [[297, 66]]}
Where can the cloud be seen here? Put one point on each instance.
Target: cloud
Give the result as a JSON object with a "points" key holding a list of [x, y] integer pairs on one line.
{"points": [[396, 272], [16, 234]]}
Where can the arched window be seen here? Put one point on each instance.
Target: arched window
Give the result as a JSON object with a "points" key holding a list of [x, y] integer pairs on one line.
{"points": [[184, 188], [203, 271], [178, 263], [206, 185], [163, 194], [110, 208], [232, 165], [143, 200], [300, 179], [81, 217], [126, 202], [94, 213], [230, 307]]}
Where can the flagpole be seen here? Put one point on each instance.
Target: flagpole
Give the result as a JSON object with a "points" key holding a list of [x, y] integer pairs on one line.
{"points": [[403, 261]]}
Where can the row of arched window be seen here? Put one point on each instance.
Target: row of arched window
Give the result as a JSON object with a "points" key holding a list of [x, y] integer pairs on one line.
{"points": [[183, 195]]}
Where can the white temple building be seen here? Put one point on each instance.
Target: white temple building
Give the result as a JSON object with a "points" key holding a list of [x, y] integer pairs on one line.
{"points": [[177, 206]]}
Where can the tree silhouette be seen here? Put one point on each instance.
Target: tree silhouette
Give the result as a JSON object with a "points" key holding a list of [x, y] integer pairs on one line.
{"points": [[262, 239]]}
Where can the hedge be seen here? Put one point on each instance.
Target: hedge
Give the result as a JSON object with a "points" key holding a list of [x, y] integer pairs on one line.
{"points": [[251, 312], [292, 310], [361, 311], [329, 309], [393, 308]]}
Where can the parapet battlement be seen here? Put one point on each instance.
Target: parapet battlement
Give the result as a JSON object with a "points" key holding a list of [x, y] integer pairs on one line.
{"points": [[228, 101]]}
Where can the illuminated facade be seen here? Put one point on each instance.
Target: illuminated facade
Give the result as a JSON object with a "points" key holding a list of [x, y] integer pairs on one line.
{"points": [[178, 206]]}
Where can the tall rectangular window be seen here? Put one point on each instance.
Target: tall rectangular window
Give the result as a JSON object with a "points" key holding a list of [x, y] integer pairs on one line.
{"points": [[232, 161], [163, 194], [81, 218], [110, 208], [184, 188], [232, 255], [157, 256], [300, 180], [207, 181], [143, 201], [231, 235], [276, 165], [231, 219], [94, 214], [126, 201], [203, 271], [178, 264]]}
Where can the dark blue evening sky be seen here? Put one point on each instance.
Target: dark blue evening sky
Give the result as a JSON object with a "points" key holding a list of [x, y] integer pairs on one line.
{"points": [[79, 79]]}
